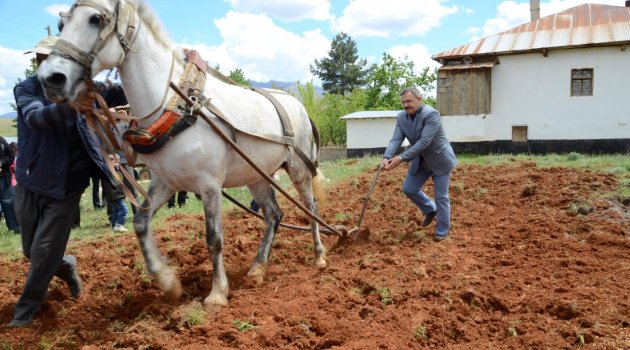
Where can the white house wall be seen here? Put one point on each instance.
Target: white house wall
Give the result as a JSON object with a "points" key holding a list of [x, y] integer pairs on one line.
{"points": [[534, 90], [369, 133]]}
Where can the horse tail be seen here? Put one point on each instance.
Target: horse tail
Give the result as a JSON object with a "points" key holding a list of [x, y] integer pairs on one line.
{"points": [[318, 190]]}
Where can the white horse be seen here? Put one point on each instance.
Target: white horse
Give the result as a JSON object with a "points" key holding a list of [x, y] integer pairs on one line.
{"points": [[101, 34]]}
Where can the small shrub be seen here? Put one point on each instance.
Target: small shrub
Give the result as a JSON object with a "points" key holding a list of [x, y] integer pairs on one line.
{"points": [[244, 326], [386, 295], [194, 314], [511, 332], [421, 333], [573, 156]]}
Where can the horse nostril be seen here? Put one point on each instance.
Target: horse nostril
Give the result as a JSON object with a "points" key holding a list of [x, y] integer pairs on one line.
{"points": [[56, 79]]}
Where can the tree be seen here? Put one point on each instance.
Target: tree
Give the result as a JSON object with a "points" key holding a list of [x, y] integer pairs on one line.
{"points": [[239, 76], [327, 109], [385, 82], [28, 72], [342, 71]]}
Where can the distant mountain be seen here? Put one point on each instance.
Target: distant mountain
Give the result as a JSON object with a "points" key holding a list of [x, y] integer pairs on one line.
{"points": [[9, 115], [283, 85]]}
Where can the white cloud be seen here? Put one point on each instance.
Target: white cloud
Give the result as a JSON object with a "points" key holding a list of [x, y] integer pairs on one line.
{"points": [[287, 10], [263, 50], [393, 17], [417, 53], [54, 9], [13, 63]]}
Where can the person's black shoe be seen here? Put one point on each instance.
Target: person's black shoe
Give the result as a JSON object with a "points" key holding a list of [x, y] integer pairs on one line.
{"points": [[20, 323], [74, 283], [428, 218]]}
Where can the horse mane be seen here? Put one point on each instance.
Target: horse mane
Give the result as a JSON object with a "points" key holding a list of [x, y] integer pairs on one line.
{"points": [[151, 21]]}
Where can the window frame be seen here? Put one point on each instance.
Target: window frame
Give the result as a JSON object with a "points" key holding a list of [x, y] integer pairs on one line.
{"points": [[581, 81]]}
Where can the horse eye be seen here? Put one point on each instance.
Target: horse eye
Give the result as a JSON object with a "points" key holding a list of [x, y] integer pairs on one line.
{"points": [[95, 20]]}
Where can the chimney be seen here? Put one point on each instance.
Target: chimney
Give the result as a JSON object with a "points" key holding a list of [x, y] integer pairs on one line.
{"points": [[534, 9]]}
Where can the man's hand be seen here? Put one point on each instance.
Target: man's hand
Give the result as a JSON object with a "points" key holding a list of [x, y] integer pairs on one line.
{"points": [[193, 56], [84, 102], [391, 163]]}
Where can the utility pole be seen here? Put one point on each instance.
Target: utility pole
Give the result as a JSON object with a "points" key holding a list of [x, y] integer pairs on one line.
{"points": [[48, 29]]}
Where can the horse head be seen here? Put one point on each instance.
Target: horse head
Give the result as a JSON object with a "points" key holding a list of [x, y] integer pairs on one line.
{"points": [[95, 35]]}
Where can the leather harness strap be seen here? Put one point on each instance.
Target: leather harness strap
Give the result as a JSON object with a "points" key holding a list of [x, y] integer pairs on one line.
{"points": [[287, 129]]}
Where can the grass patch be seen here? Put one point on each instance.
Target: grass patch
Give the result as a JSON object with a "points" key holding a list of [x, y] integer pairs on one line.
{"points": [[8, 127], [194, 314], [244, 326]]}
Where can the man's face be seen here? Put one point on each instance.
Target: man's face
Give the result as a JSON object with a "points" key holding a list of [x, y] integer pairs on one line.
{"points": [[410, 103]]}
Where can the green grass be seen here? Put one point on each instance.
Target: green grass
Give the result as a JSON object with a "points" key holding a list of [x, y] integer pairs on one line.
{"points": [[94, 224], [7, 128]]}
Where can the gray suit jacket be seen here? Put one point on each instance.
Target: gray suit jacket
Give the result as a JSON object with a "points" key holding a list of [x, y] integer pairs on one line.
{"points": [[429, 146]]}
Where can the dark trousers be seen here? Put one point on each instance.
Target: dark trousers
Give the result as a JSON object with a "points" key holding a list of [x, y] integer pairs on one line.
{"points": [[96, 193], [7, 197], [46, 223], [182, 196]]}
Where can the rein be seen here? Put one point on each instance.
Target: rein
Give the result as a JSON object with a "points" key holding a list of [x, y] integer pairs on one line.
{"points": [[102, 122]]}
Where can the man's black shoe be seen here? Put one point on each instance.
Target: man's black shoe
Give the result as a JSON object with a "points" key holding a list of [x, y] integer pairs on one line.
{"points": [[20, 323], [428, 218], [74, 282]]}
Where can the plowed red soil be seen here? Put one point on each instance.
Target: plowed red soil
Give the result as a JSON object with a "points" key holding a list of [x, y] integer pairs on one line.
{"points": [[536, 259]]}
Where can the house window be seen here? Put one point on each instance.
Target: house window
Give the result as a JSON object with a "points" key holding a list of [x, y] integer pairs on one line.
{"points": [[582, 82], [519, 133]]}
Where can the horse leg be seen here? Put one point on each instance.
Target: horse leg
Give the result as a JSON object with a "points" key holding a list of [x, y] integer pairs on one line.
{"points": [[263, 195], [156, 263], [304, 183], [214, 239]]}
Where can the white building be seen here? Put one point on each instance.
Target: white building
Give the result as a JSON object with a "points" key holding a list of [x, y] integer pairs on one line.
{"points": [[555, 84]]}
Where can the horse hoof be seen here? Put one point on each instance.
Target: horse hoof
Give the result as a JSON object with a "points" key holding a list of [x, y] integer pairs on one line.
{"points": [[169, 284], [321, 263], [212, 302], [257, 274], [175, 292], [257, 280]]}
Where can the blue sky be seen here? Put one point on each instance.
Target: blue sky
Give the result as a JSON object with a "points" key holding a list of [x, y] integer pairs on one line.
{"points": [[279, 39]]}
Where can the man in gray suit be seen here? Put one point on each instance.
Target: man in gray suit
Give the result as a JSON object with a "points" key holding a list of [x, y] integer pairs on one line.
{"points": [[429, 155]]}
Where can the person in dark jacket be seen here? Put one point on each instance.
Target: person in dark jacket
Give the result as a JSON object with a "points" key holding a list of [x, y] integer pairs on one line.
{"points": [[7, 193], [58, 154]]}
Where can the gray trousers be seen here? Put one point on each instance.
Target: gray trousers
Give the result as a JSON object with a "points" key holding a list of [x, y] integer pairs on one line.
{"points": [[46, 223]]}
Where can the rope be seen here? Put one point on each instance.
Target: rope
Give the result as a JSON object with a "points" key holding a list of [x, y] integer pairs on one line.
{"points": [[103, 124]]}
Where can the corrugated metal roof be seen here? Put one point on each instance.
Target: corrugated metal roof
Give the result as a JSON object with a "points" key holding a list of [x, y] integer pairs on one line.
{"points": [[588, 24], [371, 114]]}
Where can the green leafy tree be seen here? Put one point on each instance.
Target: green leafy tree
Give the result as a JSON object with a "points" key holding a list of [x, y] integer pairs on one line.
{"points": [[28, 72], [385, 81], [239, 76], [342, 71], [327, 109]]}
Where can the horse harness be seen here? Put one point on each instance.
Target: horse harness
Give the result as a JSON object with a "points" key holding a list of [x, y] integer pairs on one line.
{"points": [[110, 24], [178, 116]]}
